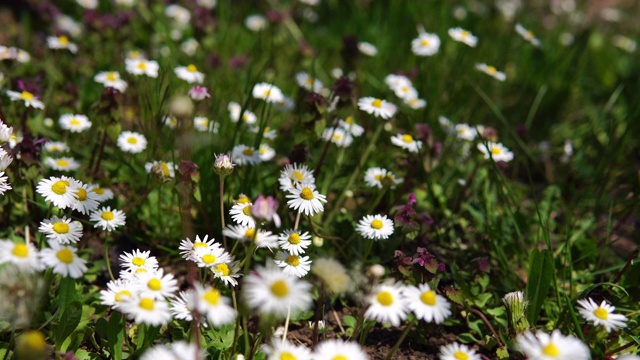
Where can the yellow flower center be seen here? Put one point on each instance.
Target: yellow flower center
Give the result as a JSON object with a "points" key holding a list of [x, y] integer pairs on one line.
{"points": [[349, 120], [340, 357], [60, 187], [138, 261], [122, 293], [385, 298], [74, 122], [62, 163], [287, 356], [250, 233], [310, 81], [424, 42], [154, 284], [491, 69], [142, 65], [279, 288], [376, 224], [147, 304], [247, 210], [248, 152], [551, 350], [459, 355], [111, 76], [163, 168], [200, 244], [601, 313], [294, 238], [243, 199], [63, 40], [26, 95], [81, 194], [132, 140], [428, 297], [141, 270], [306, 194], [377, 103], [464, 33], [65, 255], [107, 215], [20, 250], [407, 138], [293, 260], [61, 227], [223, 269], [262, 150], [298, 175], [98, 190], [267, 93], [495, 150], [336, 137], [212, 297], [209, 259], [530, 34], [413, 101], [192, 68]]}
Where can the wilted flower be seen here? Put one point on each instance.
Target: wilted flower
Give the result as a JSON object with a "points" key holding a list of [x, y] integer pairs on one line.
{"points": [[516, 304]]}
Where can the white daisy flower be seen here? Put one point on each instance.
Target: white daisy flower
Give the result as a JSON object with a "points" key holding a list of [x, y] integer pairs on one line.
{"points": [[156, 284], [464, 36], [350, 126], [426, 304], [267, 92], [338, 136], [601, 314], [23, 255], [266, 152], [294, 241], [63, 260], [4, 183], [308, 82], [180, 307], [117, 291], [457, 351], [256, 22], [15, 139], [268, 133], [170, 121], [180, 15], [425, 44], [415, 103], [62, 164], [189, 74], [5, 159], [386, 305], [394, 81], [377, 107], [379, 177], [527, 35], [138, 259], [88, 4], [279, 350], [102, 194], [164, 169], [270, 291], [187, 246], [56, 147], [179, 350], [491, 71], [241, 214], [62, 230], [29, 99], [108, 219], [554, 346], [465, 132], [295, 174], [407, 142], [5, 132], [367, 48], [306, 199], [293, 264], [496, 151], [202, 123], [209, 257], [57, 190], [228, 272], [146, 310], [74, 122], [375, 227], [235, 109], [406, 92], [244, 155], [337, 349], [111, 79], [142, 67], [61, 42], [86, 200], [131, 142], [262, 239], [210, 302]]}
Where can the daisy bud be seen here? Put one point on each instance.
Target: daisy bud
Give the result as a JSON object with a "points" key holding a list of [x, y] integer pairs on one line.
{"points": [[181, 106], [376, 271], [266, 209], [223, 165], [516, 305]]}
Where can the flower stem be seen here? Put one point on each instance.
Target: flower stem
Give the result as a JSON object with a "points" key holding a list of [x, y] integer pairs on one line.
{"points": [[224, 237], [401, 339], [286, 325]]}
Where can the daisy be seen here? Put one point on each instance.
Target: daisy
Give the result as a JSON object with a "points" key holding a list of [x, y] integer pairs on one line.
{"points": [[138, 259], [179, 350], [267, 133], [377, 107], [57, 191], [199, 93], [256, 22], [131, 142], [5, 159], [63, 260], [426, 304], [295, 174], [293, 264], [425, 44], [56, 147], [209, 257], [386, 305], [146, 310], [375, 227], [4, 183], [142, 67], [101, 193], [465, 132], [88, 4], [266, 152], [284, 350], [62, 230], [108, 219], [554, 346], [23, 255], [457, 351], [394, 81], [111, 79], [267, 92], [117, 291], [367, 49], [415, 103], [74, 123], [379, 177], [241, 214], [62, 164], [5, 132], [165, 170], [29, 99], [170, 121], [527, 35], [202, 123], [262, 239], [227, 272], [180, 15], [491, 71], [180, 307], [189, 74], [210, 302], [187, 247], [244, 155], [601, 314], [306, 199], [15, 139], [308, 82], [270, 291], [234, 113], [351, 126], [294, 241], [156, 285], [61, 42], [337, 136], [406, 141], [464, 36], [406, 92], [496, 151], [446, 124], [337, 349]]}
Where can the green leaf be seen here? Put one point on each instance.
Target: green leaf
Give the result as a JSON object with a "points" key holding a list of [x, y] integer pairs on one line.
{"points": [[68, 322], [67, 293], [349, 320], [541, 270], [502, 353], [481, 300], [115, 336]]}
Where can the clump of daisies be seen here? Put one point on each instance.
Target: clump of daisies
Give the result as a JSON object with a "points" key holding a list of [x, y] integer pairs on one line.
{"points": [[403, 88]]}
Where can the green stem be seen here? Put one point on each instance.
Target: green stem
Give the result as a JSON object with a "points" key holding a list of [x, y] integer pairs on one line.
{"points": [[224, 237], [401, 339]]}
